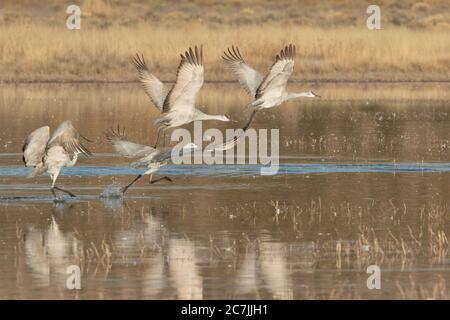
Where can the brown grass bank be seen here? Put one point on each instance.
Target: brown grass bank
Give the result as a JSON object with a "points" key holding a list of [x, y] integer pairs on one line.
{"points": [[332, 39]]}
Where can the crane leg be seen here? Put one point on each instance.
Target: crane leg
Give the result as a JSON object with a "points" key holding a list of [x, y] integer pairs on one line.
{"points": [[62, 190], [158, 136], [159, 179], [250, 120], [53, 192], [132, 182], [164, 138]]}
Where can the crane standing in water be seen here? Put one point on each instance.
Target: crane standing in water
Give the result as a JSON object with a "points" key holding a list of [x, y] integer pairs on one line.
{"points": [[50, 154]]}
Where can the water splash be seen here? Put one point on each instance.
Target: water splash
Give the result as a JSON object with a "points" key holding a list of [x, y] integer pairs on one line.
{"points": [[112, 191]]}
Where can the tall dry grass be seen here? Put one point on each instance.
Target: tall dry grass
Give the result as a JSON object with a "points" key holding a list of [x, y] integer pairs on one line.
{"points": [[33, 51]]}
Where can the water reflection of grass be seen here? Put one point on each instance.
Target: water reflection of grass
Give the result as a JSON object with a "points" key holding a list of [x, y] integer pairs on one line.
{"points": [[355, 235], [287, 245]]}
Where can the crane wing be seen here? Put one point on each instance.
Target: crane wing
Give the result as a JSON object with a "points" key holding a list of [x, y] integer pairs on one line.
{"points": [[279, 73], [68, 137], [189, 81], [34, 147], [126, 148], [153, 87], [248, 78]]}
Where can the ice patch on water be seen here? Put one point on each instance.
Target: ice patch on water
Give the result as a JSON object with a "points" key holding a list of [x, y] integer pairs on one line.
{"points": [[112, 191]]}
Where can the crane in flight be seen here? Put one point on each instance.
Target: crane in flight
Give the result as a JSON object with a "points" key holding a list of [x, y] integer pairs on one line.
{"points": [[178, 104], [270, 90]]}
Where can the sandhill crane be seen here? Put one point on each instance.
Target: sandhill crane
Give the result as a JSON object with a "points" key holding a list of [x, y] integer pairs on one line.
{"points": [[148, 157], [178, 105], [51, 153], [269, 91]]}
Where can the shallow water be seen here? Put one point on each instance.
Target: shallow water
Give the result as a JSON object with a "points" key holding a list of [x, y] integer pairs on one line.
{"points": [[363, 180]]}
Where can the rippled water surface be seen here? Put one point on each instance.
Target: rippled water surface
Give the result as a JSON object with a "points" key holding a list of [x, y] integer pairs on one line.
{"points": [[363, 180]]}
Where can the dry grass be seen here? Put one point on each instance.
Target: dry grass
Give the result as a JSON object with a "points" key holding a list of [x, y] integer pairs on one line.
{"points": [[429, 14], [35, 45], [39, 52]]}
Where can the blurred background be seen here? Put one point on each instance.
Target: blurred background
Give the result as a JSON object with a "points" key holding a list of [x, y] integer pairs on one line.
{"points": [[332, 39]]}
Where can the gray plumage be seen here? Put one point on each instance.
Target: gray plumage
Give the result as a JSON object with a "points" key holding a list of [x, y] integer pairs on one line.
{"points": [[271, 90], [50, 154], [153, 87], [178, 105], [248, 78], [146, 157]]}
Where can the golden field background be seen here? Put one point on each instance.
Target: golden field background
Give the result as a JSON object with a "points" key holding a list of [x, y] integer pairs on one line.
{"points": [[332, 40]]}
